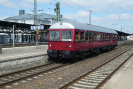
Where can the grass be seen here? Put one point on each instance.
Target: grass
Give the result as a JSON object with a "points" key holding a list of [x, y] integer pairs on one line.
{"points": [[40, 84], [3, 47], [46, 62], [83, 65]]}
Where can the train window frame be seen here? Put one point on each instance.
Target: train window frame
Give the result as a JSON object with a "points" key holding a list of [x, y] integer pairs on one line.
{"points": [[78, 35], [82, 33], [86, 36]]}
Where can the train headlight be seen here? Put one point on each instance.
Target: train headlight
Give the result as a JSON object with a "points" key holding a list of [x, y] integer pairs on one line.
{"points": [[50, 45], [70, 45]]}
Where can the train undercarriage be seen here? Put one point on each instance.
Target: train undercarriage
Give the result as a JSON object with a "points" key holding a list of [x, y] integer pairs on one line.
{"points": [[77, 54]]}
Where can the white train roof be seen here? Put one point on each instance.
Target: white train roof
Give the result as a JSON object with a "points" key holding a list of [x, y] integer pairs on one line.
{"points": [[81, 26]]}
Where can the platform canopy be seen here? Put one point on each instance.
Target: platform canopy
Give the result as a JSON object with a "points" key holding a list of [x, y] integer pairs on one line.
{"points": [[20, 26], [122, 33]]}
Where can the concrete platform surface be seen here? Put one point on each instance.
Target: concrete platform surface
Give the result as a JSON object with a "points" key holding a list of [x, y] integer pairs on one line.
{"points": [[123, 78], [7, 53]]}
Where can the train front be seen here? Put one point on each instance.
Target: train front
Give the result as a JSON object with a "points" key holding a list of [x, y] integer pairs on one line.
{"points": [[61, 38]]}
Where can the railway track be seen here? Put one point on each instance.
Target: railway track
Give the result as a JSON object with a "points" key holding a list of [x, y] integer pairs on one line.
{"points": [[7, 80], [10, 79], [96, 77]]}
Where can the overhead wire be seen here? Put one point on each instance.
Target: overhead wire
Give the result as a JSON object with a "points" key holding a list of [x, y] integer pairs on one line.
{"points": [[86, 9], [121, 8], [127, 5], [92, 12]]}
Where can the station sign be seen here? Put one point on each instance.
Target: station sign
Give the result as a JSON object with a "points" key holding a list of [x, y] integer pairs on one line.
{"points": [[37, 27]]}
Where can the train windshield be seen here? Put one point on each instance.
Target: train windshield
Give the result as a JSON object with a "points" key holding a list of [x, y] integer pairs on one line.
{"points": [[54, 35], [66, 36]]}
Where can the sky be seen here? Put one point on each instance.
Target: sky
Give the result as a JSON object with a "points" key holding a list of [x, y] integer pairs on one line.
{"points": [[113, 14]]}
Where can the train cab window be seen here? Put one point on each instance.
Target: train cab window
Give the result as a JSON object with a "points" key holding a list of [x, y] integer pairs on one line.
{"points": [[54, 35], [66, 36], [90, 36], [77, 33], [82, 36], [86, 36]]}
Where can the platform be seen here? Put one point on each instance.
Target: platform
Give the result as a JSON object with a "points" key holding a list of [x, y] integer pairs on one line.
{"points": [[19, 52], [123, 78]]}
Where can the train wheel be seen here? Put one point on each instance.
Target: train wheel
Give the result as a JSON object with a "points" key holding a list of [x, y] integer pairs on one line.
{"points": [[98, 50], [75, 58]]}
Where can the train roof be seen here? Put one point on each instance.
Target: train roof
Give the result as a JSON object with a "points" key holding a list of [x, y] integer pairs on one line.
{"points": [[81, 26]]}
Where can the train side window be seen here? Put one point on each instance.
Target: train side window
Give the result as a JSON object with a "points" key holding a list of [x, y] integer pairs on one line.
{"points": [[98, 36], [86, 36], [95, 36], [108, 36], [113, 37], [82, 36], [77, 35], [90, 36], [105, 36], [101, 36], [116, 37]]}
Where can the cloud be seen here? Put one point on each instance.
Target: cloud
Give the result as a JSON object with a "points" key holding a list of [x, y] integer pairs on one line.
{"points": [[98, 5], [38, 1], [79, 14], [83, 16], [8, 4], [30, 3], [47, 12], [26, 5]]}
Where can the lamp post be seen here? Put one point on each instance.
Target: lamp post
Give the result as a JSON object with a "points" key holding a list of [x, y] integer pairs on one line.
{"points": [[36, 23]]}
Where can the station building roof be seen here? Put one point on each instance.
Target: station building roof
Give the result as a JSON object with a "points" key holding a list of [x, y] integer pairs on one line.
{"points": [[30, 16], [41, 16]]}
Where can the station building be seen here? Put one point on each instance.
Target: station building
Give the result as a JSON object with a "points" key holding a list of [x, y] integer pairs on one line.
{"points": [[23, 33]]}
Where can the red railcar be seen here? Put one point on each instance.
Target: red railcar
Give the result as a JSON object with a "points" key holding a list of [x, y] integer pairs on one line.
{"points": [[73, 39]]}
